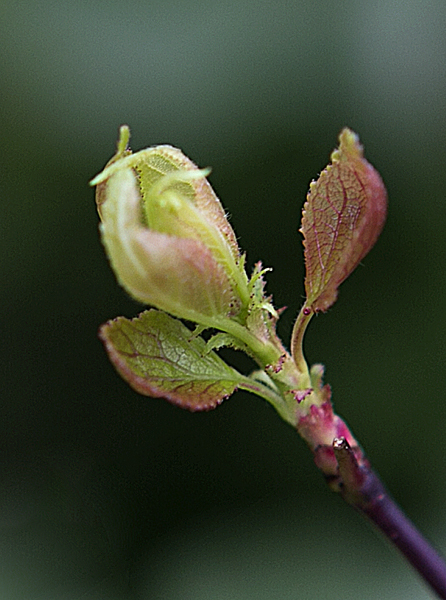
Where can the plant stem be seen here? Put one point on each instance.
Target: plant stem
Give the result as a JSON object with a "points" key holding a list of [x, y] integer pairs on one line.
{"points": [[297, 336], [337, 454], [363, 489]]}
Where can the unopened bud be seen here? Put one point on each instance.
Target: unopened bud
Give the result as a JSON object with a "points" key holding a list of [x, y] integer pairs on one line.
{"points": [[167, 236]]}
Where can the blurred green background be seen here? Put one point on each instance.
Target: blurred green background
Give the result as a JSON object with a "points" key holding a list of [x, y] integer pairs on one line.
{"points": [[108, 495]]}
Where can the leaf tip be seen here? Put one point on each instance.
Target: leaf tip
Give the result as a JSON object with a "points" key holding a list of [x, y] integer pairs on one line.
{"points": [[123, 141], [350, 147]]}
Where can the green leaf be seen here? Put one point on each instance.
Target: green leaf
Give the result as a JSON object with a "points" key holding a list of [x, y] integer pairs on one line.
{"points": [[160, 357], [167, 236], [342, 219]]}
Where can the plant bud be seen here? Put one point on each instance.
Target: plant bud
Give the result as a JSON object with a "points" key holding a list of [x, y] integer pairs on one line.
{"points": [[167, 236]]}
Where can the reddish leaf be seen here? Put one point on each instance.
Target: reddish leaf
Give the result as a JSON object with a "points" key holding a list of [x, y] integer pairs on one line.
{"points": [[342, 219]]}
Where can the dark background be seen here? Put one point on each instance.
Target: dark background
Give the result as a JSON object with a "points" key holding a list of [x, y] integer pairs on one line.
{"points": [[106, 495]]}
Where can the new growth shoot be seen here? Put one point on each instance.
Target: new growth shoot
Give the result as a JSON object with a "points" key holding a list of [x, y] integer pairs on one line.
{"points": [[171, 247]]}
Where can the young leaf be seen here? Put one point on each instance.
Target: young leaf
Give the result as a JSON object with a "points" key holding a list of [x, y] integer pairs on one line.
{"points": [[160, 357], [342, 219], [167, 236]]}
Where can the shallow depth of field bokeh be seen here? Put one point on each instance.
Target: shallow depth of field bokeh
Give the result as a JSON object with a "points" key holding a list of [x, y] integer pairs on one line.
{"points": [[107, 495]]}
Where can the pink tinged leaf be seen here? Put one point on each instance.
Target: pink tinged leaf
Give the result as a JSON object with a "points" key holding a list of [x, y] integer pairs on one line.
{"points": [[160, 357], [177, 275], [342, 219]]}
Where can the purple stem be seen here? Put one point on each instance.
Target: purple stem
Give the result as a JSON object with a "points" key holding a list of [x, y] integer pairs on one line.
{"points": [[363, 489]]}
